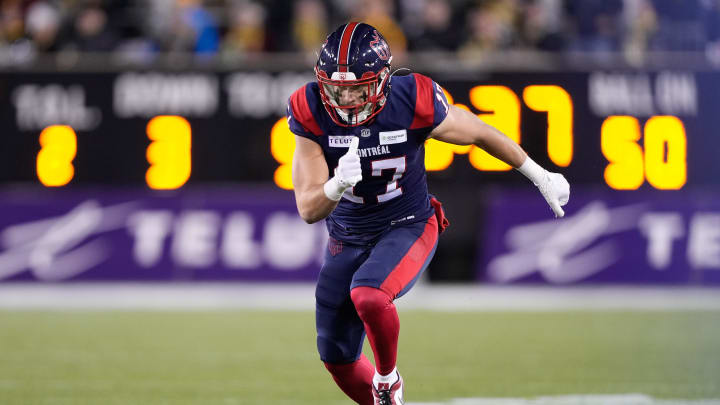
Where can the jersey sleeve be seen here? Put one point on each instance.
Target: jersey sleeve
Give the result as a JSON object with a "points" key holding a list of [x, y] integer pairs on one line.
{"points": [[431, 106], [300, 117]]}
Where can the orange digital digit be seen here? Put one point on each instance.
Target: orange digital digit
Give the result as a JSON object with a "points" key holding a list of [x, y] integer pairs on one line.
{"points": [[665, 153], [618, 141], [451, 100], [558, 104], [169, 152], [439, 155], [282, 148], [54, 161], [505, 116]]}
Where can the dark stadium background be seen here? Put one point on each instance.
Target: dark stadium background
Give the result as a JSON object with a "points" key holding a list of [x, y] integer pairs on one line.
{"points": [[201, 292], [91, 45]]}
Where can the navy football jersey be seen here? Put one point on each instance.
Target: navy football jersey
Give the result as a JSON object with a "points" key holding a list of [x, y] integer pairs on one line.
{"points": [[393, 190]]}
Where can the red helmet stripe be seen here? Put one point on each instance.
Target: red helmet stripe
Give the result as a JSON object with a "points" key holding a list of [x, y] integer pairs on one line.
{"points": [[424, 102], [343, 54]]}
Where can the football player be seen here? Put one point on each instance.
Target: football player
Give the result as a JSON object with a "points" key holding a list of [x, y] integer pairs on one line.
{"points": [[359, 164]]}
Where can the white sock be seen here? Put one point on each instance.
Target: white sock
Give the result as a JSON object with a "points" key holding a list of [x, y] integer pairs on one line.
{"points": [[390, 378]]}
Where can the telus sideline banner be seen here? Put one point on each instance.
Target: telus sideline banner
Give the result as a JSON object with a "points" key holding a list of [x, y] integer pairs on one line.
{"points": [[635, 237], [134, 235]]}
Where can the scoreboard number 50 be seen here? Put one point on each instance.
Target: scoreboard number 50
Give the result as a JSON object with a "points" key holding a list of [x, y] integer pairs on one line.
{"points": [[663, 162], [168, 153]]}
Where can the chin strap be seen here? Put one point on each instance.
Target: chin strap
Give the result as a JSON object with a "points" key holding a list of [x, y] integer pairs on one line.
{"points": [[400, 70]]}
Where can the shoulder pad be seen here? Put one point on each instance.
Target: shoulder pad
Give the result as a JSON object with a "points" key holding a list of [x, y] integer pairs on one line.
{"points": [[424, 102], [301, 111]]}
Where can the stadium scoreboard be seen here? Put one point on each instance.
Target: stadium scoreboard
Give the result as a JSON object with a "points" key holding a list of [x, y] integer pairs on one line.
{"points": [[621, 130]]}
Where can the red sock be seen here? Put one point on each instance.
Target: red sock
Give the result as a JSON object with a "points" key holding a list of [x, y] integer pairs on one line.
{"points": [[382, 325], [355, 379]]}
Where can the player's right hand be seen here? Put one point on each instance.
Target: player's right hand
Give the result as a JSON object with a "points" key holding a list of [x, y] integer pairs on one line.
{"points": [[348, 171], [553, 186], [556, 191]]}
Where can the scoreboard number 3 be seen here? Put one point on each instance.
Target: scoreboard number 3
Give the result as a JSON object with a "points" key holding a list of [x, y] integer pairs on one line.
{"points": [[169, 152]]}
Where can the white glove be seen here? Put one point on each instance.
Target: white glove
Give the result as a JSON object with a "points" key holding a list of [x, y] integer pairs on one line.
{"points": [[552, 186], [347, 174]]}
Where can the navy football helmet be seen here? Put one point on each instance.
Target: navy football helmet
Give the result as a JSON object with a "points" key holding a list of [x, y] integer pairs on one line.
{"points": [[353, 72]]}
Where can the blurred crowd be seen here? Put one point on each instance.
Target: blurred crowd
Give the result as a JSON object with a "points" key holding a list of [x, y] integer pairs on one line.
{"points": [[468, 27]]}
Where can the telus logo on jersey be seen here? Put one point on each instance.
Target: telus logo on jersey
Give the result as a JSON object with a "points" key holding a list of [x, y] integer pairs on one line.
{"points": [[340, 141]]}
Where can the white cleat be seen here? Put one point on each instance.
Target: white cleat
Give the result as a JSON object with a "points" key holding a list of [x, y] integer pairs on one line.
{"points": [[388, 390]]}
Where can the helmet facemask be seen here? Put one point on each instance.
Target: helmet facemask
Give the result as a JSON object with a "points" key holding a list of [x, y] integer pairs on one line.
{"points": [[351, 101]]}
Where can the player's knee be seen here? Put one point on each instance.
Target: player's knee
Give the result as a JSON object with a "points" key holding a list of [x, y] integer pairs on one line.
{"points": [[328, 350], [339, 369], [332, 351], [369, 299]]}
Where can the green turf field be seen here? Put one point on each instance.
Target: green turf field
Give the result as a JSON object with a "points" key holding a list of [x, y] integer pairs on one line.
{"points": [[259, 357]]}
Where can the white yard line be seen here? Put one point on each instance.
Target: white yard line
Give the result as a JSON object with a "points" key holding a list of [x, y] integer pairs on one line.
{"points": [[626, 399], [279, 296]]}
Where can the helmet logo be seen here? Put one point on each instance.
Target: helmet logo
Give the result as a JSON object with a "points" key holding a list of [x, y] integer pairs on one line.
{"points": [[342, 76], [380, 46], [365, 132]]}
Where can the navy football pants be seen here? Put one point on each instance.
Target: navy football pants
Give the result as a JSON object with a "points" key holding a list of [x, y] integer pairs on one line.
{"points": [[393, 264]]}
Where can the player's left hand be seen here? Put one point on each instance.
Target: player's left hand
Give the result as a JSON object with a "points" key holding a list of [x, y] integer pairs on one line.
{"points": [[556, 191]]}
